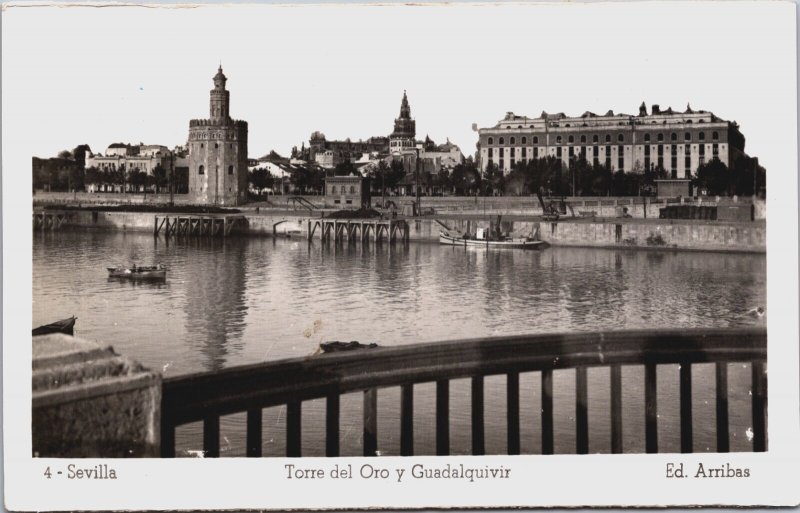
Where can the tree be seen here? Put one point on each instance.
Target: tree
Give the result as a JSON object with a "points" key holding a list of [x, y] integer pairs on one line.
{"points": [[260, 179], [64, 154], [308, 179], [79, 154], [493, 179], [466, 179], [714, 177], [345, 169], [159, 178]]}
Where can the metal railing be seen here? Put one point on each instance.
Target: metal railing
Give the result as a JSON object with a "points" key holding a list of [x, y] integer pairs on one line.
{"points": [[250, 388]]}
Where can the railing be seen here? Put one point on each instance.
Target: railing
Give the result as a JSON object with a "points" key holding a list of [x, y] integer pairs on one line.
{"points": [[206, 396]]}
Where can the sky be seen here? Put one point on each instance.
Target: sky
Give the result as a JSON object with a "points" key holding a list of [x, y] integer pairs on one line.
{"points": [[74, 75]]}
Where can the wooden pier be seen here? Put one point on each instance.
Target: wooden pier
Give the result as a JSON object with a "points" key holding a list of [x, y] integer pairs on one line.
{"points": [[359, 229], [209, 225], [50, 219]]}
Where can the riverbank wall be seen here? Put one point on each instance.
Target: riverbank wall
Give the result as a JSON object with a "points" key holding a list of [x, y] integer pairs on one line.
{"points": [[633, 206], [629, 233]]}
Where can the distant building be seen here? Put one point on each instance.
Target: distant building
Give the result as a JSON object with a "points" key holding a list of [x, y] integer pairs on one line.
{"points": [[347, 192], [143, 157], [329, 154], [218, 152], [678, 142], [400, 144]]}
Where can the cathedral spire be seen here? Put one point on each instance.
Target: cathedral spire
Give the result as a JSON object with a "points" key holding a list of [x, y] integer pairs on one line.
{"points": [[405, 110]]}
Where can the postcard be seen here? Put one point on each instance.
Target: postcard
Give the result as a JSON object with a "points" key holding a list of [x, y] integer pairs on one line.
{"points": [[399, 256]]}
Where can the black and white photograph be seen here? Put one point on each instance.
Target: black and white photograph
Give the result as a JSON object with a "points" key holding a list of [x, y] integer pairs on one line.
{"points": [[400, 256]]}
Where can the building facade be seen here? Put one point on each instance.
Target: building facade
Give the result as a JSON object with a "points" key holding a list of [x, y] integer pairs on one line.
{"points": [[328, 154], [218, 152], [677, 142]]}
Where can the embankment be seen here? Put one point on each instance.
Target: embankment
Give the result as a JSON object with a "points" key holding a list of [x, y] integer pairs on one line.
{"points": [[597, 232]]}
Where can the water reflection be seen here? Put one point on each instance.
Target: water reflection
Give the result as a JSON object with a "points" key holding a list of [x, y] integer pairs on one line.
{"points": [[215, 278]]}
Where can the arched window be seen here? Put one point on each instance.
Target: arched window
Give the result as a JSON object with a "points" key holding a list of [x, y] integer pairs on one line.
{"points": [[608, 138], [513, 140], [660, 137], [646, 137], [501, 141], [583, 138], [620, 138], [558, 140], [201, 170], [491, 140], [595, 139], [687, 136], [715, 136], [230, 170], [352, 189], [673, 136], [216, 145], [333, 189], [571, 139], [535, 140], [701, 136], [524, 140]]}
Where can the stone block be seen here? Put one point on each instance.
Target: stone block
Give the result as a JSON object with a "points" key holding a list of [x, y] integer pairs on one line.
{"points": [[89, 401]]}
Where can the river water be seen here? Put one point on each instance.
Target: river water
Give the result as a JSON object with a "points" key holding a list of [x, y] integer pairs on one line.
{"points": [[246, 300]]}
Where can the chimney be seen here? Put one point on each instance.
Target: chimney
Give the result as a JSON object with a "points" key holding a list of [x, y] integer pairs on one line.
{"points": [[656, 109]]}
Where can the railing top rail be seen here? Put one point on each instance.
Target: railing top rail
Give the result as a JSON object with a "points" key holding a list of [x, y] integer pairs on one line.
{"points": [[191, 397]]}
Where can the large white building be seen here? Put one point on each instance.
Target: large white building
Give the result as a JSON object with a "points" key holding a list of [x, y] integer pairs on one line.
{"points": [[145, 158], [678, 142]]}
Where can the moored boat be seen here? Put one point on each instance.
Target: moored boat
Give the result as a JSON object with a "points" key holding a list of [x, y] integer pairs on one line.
{"points": [[65, 326], [452, 239], [153, 272]]}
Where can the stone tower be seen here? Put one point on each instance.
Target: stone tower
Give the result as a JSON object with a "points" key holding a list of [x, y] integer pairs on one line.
{"points": [[218, 153], [402, 138]]}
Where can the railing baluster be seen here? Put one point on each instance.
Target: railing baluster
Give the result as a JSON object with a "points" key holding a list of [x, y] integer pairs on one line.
{"points": [[723, 436], [616, 409], [759, 407], [478, 446], [650, 409], [293, 429], [407, 420], [332, 425], [581, 413], [370, 422], [254, 433], [167, 439], [686, 407], [547, 411], [443, 418], [512, 412], [211, 436]]}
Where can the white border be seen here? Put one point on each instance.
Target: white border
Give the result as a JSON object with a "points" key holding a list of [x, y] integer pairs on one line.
{"points": [[537, 481]]}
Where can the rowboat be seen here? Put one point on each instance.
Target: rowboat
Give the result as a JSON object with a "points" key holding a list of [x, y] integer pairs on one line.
{"points": [[452, 239], [153, 272], [65, 326]]}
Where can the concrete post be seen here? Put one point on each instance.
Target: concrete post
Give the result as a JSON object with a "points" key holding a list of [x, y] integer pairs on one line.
{"points": [[89, 401]]}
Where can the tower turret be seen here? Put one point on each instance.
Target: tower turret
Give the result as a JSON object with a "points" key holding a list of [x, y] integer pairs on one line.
{"points": [[402, 138], [220, 98]]}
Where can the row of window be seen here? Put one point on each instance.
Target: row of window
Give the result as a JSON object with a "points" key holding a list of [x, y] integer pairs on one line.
{"points": [[620, 137], [202, 170], [343, 189], [621, 148], [216, 145]]}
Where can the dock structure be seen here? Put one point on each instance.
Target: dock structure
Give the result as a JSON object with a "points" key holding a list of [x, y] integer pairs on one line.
{"points": [[210, 225], [50, 219], [359, 229]]}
